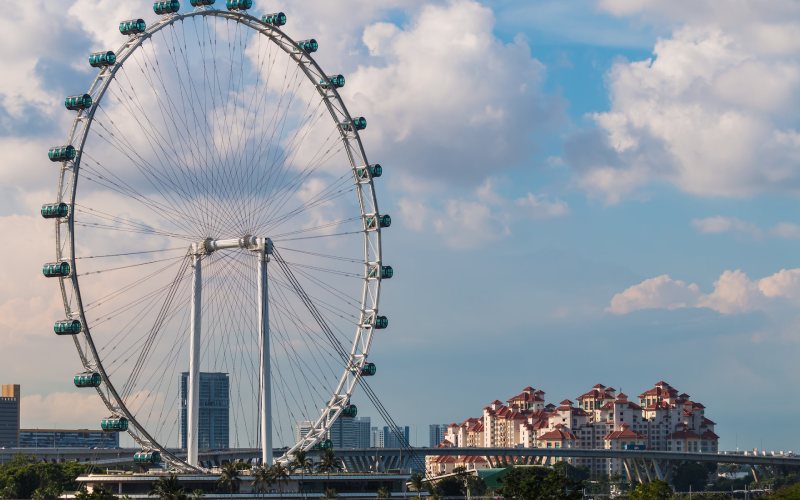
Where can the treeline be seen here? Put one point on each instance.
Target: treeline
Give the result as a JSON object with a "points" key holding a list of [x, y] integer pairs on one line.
{"points": [[24, 477]]}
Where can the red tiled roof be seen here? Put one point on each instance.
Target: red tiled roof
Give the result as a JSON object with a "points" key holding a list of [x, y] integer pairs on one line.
{"points": [[709, 435], [624, 433], [708, 421], [598, 386], [560, 433], [685, 434], [566, 402]]}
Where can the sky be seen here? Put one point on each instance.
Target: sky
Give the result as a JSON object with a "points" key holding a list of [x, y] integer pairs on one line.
{"points": [[595, 191]]}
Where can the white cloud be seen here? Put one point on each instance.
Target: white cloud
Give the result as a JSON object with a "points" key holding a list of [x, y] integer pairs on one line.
{"points": [[734, 292], [712, 112], [62, 410], [786, 230], [719, 224], [485, 215]]}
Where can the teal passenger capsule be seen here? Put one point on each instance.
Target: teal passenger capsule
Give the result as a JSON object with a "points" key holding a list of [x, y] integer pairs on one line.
{"points": [[78, 102], [201, 3], [56, 269], [67, 327], [238, 4], [369, 370], [385, 272], [381, 322], [55, 210], [87, 379], [375, 170], [276, 19], [114, 423], [100, 59], [132, 27], [325, 444], [358, 123], [166, 7], [61, 153], [350, 411], [332, 81], [308, 46], [147, 457], [375, 221]]}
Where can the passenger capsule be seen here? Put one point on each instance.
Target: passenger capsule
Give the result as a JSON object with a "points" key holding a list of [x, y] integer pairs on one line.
{"points": [[381, 322], [114, 423], [332, 81], [308, 46], [147, 457], [56, 269], [132, 27], [61, 153], [276, 19], [350, 411], [87, 379], [55, 210], [385, 272], [325, 444], [78, 102], [101, 59], [369, 370], [201, 3], [369, 171], [358, 123], [67, 327], [238, 4], [166, 7], [375, 221]]}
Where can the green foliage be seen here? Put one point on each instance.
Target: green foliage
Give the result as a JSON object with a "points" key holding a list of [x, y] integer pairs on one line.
{"points": [[330, 493], [98, 493], [692, 475], [540, 482], [24, 477], [383, 492], [655, 490], [328, 462], [229, 479], [168, 488], [417, 483], [787, 493], [263, 478]]}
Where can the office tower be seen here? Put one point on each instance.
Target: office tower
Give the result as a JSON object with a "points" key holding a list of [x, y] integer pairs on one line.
{"points": [[436, 434], [9, 415], [214, 414], [392, 440], [67, 438]]}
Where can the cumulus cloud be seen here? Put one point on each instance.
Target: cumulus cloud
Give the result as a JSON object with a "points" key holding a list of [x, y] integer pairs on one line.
{"points": [[484, 215], [719, 224], [62, 410], [711, 112], [734, 292]]}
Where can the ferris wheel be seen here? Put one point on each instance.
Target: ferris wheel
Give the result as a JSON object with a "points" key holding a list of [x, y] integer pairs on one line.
{"points": [[220, 261]]}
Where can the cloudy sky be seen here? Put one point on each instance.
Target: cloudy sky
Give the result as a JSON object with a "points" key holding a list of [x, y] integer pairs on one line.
{"points": [[582, 192]]}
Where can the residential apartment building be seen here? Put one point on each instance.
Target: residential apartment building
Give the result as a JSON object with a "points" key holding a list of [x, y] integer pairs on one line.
{"points": [[602, 418], [9, 415]]}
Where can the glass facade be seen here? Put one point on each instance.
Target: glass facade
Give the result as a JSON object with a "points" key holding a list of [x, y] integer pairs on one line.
{"points": [[9, 415], [214, 418], [67, 438]]}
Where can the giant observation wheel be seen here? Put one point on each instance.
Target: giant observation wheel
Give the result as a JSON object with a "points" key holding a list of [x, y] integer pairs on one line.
{"points": [[218, 238]]}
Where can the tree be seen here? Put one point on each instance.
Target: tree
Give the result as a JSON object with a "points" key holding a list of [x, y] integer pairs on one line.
{"points": [[539, 482], [787, 493], [383, 493], [281, 474], [417, 483], [690, 475], [655, 490], [98, 493], [330, 493], [168, 488], [262, 478], [229, 479], [197, 494], [328, 462], [24, 477], [302, 463]]}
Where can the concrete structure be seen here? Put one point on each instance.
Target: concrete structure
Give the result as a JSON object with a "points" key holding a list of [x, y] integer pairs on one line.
{"points": [[9, 415], [436, 433], [67, 438], [214, 413], [376, 437], [663, 420]]}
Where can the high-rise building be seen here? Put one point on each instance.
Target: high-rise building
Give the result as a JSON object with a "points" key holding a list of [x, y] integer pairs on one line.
{"points": [[376, 437], [214, 414], [67, 438], [350, 432], [436, 434], [9, 415], [392, 440]]}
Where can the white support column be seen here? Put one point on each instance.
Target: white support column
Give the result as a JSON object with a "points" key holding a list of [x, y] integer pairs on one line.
{"points": [[264, 383], [193, 389]]}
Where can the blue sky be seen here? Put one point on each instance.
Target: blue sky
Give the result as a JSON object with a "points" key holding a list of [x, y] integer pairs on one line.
{"points": [[605, 192]]}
